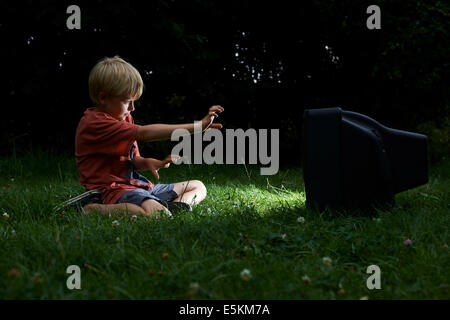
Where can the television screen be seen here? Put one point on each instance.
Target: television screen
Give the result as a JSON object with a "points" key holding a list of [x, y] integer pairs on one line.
{"points": [[352, 161]]}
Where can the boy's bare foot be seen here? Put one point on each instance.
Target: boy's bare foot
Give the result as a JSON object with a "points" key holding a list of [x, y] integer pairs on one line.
{"points": [[153, 207]]}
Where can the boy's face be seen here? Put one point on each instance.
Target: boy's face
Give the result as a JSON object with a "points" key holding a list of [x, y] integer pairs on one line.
{"points": [[116, 106]]}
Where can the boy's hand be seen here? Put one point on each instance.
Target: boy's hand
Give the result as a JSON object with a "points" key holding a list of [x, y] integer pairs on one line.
{"points": [[154, 164], [207, 122]]}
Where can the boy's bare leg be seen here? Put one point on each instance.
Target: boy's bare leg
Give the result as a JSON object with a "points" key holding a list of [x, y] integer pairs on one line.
{"points": [[191, 192], [151, 207], [128, 208], [148, 207]]}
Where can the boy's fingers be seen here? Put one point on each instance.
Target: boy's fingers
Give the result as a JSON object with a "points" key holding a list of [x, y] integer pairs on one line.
{"points": [[155, 173], [215, 126], [166, 162], [216, 108], [212, 113]]}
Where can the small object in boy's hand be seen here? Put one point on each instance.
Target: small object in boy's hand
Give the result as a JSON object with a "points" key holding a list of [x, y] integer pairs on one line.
{"points": [[175, 159]]}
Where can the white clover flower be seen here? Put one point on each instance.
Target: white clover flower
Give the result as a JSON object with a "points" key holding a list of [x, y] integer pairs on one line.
{"points": [[327, 261], [246, 274], [115, 223], [301, 220], [306, 279], [194, 286], [5, 215], [193, 289], [134, 217], [342, 292], [118, 239]]}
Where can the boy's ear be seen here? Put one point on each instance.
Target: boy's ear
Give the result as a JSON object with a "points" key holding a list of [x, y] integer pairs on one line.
{"points": [[101, 97]]}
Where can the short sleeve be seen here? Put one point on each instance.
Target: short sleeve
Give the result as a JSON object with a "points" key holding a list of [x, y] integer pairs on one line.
{"points": [[102, 134]]}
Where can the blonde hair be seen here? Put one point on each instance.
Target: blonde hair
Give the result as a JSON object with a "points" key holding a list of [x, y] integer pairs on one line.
{"points": [[115, 77]]}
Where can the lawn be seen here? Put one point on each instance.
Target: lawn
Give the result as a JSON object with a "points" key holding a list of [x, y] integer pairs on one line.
{"points": [[247, 221]]}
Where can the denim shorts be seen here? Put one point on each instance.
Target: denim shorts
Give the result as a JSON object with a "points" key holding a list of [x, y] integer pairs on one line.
{"points": [[161, 193]]}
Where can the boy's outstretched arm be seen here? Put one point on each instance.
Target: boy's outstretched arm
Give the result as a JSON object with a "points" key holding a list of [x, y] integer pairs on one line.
{"points": [[155, 132]]}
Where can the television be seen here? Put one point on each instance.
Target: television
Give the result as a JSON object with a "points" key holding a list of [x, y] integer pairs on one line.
{"points": [[351, 161]]}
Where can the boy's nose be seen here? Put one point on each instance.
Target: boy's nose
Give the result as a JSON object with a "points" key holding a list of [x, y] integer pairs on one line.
{"points": [[131, 106]]}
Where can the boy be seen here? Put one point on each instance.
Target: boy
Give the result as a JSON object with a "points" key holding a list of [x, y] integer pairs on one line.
{"points": [[108, 156]]}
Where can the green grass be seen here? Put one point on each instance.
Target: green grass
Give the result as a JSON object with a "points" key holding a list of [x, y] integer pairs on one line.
{"points": [[248, 221]]}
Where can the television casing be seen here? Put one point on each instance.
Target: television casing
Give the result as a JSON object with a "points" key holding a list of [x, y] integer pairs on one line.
{"points": [[352, 161]]}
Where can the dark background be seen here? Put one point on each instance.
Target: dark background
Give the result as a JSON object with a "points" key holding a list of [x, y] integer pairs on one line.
{"points": [[265, 62]]}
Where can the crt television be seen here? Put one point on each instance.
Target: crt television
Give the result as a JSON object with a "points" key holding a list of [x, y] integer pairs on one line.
{"points": [[351, 161]]}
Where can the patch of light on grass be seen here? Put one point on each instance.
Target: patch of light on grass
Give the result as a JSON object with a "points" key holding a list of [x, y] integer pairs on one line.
{"points": [[270, 200], [262, 200]]}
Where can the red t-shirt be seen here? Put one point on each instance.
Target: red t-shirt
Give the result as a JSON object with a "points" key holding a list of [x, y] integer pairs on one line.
{"points": [[102, 149]]}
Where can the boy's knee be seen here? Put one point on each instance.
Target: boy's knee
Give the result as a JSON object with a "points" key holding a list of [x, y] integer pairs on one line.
{"points": [[200, 186]]}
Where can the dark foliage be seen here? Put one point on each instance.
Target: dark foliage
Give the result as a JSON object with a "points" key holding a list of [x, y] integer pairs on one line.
{"points": [[265, 62]]}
